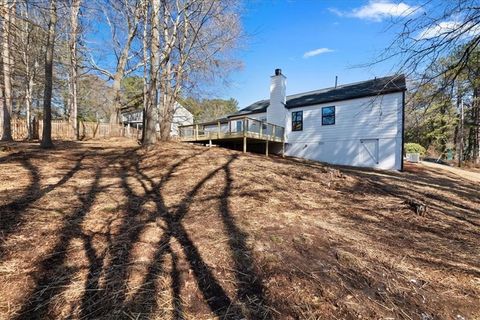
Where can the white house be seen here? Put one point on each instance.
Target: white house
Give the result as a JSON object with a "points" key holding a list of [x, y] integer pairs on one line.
{"points": [[181, 117], [357, 124]]}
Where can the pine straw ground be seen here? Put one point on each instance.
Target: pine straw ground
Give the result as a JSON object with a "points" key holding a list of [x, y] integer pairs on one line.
{"points": [[106, 230]]}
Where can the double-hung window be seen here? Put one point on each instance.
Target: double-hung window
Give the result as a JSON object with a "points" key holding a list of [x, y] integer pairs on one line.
{"points": [[328, 116], [297, 121]]}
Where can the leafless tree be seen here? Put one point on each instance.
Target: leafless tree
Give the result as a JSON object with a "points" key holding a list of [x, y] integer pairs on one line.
{"points": [[145, 56], [118, 14], [432, 32], [184, 44], [436, 44], [8, 15], [47, 96], [29, 51], [73, 76], [149, 132], [194, 37]]}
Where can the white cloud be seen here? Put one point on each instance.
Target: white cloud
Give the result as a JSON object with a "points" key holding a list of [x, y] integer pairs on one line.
{"points": [[316, 52], [378, 10], [449, 29]]}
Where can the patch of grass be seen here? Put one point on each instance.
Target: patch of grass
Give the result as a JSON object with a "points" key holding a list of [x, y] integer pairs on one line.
{"points": [[276, 239]]}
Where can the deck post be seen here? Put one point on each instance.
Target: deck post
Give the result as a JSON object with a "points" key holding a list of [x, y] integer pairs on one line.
{"points": [[245, 124], [283, 149], [244, 144], [210, 143], [266, 148], [196, 132], [218, 133], [273, 132]]}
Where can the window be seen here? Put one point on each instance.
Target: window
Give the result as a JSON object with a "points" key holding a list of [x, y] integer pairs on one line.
{"points": [[297, 121], [239, 126], [328, 116], [264, 123]]}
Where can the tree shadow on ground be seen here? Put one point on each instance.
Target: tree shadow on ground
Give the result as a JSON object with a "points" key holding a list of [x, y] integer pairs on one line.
{"points": [[106, 293], [53, 274], [250, 290], [445, 237], [12, 214]]}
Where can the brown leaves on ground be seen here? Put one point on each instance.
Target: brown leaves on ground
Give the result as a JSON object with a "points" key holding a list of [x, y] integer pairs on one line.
{"points": [[106, 230]]}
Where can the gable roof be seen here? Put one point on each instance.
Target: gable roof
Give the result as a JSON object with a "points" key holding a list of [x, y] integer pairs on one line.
{"points": [[355, 90], [256, 107]]}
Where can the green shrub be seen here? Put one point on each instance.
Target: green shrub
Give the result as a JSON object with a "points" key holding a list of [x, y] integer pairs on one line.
{"points": [[415, 148]]}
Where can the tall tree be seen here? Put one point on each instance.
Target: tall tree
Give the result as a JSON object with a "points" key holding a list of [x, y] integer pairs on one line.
{"points": [[120, 13], [47, 95], [28, 53], [436, 44], [28, 56], [74, 13], [432, 31], [209, 109], [195, 37], [7, 12], [150, 136], [145, 51]]}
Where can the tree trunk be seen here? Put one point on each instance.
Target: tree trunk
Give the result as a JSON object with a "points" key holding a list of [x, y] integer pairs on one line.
{"points": [[116, 87], [7, 76], [118, 77], [460, 128], [145, 67], [29, 71], [47, 95], [28, 103], [150, 125], [2, 106], [74, 66], [476, 125], [167, 110]]}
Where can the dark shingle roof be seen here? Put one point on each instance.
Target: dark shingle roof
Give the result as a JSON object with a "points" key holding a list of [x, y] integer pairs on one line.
{"points": [[344, 92], [257, 107]]}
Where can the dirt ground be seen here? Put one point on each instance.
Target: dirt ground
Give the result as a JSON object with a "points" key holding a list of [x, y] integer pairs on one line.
{"points": [[107, 230], [465, 173]]}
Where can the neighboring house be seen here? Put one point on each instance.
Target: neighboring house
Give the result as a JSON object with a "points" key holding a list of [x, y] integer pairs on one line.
{"points": [[357, 124], [181, 117]]}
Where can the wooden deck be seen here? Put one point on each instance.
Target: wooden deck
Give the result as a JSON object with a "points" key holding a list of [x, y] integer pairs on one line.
{"points": [[241, 128]]}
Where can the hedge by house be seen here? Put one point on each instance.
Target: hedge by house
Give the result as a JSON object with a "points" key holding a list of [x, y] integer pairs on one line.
{"points": [[415, 148]]}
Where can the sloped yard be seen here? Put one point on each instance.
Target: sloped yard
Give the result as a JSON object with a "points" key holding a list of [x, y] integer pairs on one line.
{"points": [[106, 230]]}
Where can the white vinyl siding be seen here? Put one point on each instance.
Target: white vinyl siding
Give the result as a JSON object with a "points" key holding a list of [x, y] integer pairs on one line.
{"points": [[181, 117], [356, 120]]}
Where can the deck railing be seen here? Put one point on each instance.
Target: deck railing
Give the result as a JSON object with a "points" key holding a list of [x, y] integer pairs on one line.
{"points": [[232, 128]]}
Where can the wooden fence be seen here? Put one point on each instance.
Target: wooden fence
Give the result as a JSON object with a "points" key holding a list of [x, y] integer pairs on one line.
{"points": [[63, 130]]}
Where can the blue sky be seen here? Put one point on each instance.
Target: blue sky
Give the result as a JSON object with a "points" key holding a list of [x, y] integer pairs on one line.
{"points": [[312, 42]]}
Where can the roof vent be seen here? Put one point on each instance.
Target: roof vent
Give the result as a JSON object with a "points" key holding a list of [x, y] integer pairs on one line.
{"points": [[278, 72]]}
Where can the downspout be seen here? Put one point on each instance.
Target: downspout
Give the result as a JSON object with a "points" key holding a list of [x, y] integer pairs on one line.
{"points": [[403, 130]]}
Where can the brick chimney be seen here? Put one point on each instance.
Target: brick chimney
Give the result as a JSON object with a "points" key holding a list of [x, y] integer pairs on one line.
{"points": [[276, 112]]}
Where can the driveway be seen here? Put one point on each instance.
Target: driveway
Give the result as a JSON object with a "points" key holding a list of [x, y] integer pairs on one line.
{"points": [[472, 176]]}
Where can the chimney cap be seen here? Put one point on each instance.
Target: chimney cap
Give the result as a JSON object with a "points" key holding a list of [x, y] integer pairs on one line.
{"points": [[278, 72]]}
